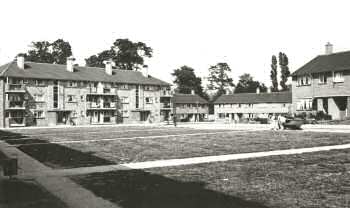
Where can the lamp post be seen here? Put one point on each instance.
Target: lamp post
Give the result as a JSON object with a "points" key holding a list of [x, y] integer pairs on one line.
{"points": [[174, 110]]}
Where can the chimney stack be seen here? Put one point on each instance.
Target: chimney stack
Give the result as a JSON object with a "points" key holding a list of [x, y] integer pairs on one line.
{"points": [[70, 64], [257, 90], [329, 48], [227, 91], [192, 92], [108, 67], [144, 71], [269, 90], [20, 61]]}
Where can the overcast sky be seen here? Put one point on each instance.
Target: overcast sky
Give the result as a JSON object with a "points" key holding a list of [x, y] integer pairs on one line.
{"points": [[197, 33]]}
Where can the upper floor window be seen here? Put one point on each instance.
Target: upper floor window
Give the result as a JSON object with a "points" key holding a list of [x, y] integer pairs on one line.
{"points": [[72, 84], [304, 80], [71, 98], [39, 82], [149, 100], [338, 77], [39, 97], [322, 79], [124, 99], [124, 87]]}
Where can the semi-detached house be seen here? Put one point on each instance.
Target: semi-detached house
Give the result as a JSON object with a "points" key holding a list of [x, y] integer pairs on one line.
{"points": [[40, 94], [323, 84]]}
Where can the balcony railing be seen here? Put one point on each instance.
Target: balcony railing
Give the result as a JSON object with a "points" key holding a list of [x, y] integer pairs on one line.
{"points": [[165, 105], [17, 121], [102, 91], [20, 88], [105, 105], [20, 105]]}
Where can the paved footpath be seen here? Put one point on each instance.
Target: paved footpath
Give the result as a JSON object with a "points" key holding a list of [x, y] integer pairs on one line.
{"points": [[63, 188]]}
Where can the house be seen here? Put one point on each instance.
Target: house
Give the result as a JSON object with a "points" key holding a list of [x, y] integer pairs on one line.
{"points": [[245, 106], [323, 84], [190, 107], [40, 94]]}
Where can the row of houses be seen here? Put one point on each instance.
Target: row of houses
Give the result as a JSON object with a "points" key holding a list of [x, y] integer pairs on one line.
{"points": [[38, 94]]}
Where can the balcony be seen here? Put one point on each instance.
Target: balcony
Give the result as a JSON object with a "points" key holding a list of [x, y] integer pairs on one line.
{"points": [[15, 105], [102, 91], [16, 121], [101, 106], [15, 88], [165, 93], [165, 106]]}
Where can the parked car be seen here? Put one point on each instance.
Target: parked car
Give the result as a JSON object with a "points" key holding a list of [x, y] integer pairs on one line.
{"points": [[293, 123]]}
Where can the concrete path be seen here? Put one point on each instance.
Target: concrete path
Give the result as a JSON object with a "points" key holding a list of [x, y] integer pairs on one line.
{"points": [[63, 188], [184, 161]]}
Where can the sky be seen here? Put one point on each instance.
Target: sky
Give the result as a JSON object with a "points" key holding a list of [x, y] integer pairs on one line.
{"points": [[196, 33]]}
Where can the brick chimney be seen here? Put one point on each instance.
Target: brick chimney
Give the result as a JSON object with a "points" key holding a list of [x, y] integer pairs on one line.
{"points": [[70, 64], [20, 61], [108, 67], [329, 48]]}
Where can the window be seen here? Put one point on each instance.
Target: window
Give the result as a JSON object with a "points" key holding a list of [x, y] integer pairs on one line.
{"points": [[221, 115], [322, 79], [156, 100], [338, 77], [148, 88], [39, 82], [82, 98], [39, 114], [71, 98], [137, 97], [149, 100], [124, 87], [304, 104], [72, 84], [304, 81], [39, 98], [239, 105], [124, 99]]}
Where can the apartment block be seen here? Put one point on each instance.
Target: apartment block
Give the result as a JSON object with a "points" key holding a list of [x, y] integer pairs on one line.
{"points": [[244, 106], [39, 94], [323, 84]]}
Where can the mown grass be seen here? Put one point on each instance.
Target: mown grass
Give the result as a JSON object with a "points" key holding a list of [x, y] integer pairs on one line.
{"points": [[319, 179]]}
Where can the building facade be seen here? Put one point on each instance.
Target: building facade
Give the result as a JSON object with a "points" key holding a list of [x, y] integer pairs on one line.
{"points": [[37, 94], [244, 106], [190, 107], [323, 84]]}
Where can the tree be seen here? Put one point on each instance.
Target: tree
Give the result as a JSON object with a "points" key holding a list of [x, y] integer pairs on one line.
{"points": [[60, 51], [274, 74], [246, 84], [126, 55], [186, 80], [285, 73], [218, 77], [46, 52]]}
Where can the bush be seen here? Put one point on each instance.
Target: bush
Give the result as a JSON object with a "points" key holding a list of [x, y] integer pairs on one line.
{"points": [[320, 115]]}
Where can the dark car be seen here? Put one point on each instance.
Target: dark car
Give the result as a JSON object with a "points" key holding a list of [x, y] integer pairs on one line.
{"points": [[293, 123]]}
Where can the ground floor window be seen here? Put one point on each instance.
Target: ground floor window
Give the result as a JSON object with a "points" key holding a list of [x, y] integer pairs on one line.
{"points": [[304, 104], [221, 115]]}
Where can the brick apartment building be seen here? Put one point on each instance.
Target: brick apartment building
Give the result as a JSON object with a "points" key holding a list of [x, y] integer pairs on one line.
{"points": [[323, 84], [39, 94], [245, 106], [190, 107]]}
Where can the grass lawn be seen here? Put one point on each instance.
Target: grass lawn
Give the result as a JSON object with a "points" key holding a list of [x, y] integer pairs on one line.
{"points": [[319, 179], [26, 194], [138, 150], [125, 150]]}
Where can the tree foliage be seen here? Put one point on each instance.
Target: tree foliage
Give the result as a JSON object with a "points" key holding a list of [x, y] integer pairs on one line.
{"points": [[285, 73], [186, 80], [126, 55], [273, 74], [247, 84], [218, 77], [46, 52]]}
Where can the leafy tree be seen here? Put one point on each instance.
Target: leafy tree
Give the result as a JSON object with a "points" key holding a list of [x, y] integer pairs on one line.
{"points": [[285, 73], [218, 77], [186, 80], [274, 74], [247, 84], [60, 51], [46, 52], [126, 54], [98, 60]]}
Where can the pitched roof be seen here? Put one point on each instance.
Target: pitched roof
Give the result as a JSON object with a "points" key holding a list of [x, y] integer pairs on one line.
{"points": [[188, 98], [326, 63], [247, 98], [59, 72]]}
